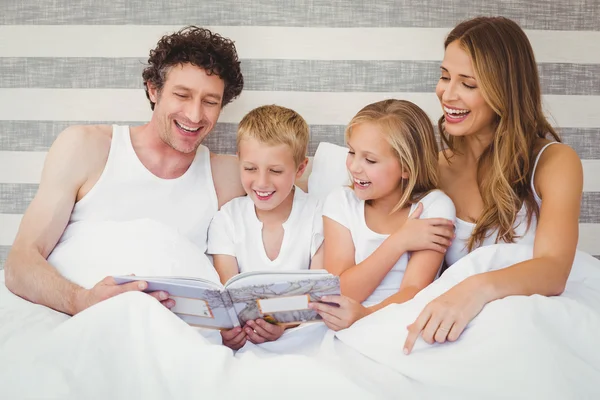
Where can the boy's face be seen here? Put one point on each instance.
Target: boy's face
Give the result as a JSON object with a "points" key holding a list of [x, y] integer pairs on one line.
{"points": [[268, 172]]}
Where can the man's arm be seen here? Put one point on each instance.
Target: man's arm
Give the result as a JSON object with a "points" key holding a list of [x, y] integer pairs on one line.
{"points": [[78, 153], [226, 177]]}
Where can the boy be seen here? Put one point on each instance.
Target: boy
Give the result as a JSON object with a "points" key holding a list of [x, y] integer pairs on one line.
{"points": [[277, 226]]}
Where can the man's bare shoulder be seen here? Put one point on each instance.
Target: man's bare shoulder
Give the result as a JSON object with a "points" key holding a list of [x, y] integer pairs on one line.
{"points": [[226, 177], [82, 149], [85, 136], [85, 141]]}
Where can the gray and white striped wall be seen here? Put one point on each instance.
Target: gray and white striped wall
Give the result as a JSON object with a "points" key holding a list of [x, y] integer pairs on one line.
{"points": [[65, 62]]}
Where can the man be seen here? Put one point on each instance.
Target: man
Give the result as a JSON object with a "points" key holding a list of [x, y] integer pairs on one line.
{"points": [[157, 170]]}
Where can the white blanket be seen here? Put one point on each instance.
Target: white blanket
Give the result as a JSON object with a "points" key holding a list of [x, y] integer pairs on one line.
{"points": [[132, 347]]}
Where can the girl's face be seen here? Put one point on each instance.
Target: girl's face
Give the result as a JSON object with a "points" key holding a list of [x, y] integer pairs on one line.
{"points": [[466, 111], [375, 169]]}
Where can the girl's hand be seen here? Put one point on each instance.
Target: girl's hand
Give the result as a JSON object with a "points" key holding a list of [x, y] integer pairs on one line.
{"points": [[446, 317], [341, 316], [425, 234]]}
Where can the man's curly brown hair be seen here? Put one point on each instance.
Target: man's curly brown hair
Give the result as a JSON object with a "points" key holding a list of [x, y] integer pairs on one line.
{"points": [[202, 48]]}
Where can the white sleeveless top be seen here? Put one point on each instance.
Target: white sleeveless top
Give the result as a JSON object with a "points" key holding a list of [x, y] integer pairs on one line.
{"points": [[464, 229], [128, 191], [345, 208], [236, 231]]}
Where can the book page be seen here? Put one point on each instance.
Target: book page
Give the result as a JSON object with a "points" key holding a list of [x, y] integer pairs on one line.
{"points": [[190, 281], [286, 303], [195, 304], [263, 277], [282, 302]]}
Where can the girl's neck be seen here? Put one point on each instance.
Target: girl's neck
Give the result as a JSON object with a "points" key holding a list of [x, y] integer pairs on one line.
{"points": [[387, 203]]}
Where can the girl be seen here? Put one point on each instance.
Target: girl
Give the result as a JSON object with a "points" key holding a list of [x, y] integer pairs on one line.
{"points": [[509, 182], [373, 238]]}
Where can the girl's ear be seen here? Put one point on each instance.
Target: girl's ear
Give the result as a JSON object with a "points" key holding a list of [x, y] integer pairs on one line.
{"points": [[302, 168], [405, 174]]}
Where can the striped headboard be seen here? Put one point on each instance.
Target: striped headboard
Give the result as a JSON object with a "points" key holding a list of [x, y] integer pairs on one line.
{"points": [[81, 62]]}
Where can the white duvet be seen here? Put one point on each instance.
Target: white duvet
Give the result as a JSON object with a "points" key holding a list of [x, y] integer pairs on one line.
{"points": [[132, 347]]}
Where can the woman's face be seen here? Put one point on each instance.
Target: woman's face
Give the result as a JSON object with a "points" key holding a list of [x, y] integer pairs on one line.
{"points": [[466, 111]]}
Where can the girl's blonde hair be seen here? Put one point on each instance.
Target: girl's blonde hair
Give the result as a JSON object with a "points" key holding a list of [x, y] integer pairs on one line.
{"points": [[409, 132], [507, 74]]}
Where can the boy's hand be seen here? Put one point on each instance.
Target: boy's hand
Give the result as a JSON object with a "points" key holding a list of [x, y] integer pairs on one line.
{"points": [[260, 331], [344, 315], [234, 338]]}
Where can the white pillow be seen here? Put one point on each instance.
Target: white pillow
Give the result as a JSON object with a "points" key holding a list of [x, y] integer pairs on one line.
{"points": [[328, 169]]}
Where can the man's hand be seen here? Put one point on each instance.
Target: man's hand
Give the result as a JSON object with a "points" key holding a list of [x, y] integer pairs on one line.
{"points": [[260, 331], [164, 299], [234, 338], [105, 289]]}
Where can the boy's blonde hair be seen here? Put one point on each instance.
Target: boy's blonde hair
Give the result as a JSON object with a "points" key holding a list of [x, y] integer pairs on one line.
{"points": [[275, 125], [409, 131]]}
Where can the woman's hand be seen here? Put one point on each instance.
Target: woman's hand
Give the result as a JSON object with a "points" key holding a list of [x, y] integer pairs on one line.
{"points": [[342, 315], [446, 317], [425, 234]]}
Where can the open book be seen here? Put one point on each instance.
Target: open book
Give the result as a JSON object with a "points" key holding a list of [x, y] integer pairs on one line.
{"points": [[277, 297]]}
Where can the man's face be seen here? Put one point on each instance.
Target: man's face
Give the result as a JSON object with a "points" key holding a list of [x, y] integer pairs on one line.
{"points": [[187, 107]]}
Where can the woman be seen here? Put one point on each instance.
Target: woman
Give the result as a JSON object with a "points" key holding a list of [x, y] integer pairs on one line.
{"points": [[504, 168]]}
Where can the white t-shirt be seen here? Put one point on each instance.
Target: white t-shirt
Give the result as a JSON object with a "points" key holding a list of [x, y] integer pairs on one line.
{"points": [[236, 231], [345, 208]]}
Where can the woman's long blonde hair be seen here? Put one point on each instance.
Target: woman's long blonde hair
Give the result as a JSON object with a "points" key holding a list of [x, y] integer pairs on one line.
{"points": [[507, 74], [409, 131]]}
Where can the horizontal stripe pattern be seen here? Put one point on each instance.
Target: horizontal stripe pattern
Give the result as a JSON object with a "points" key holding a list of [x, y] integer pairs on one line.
{"points": [[319, 108], [3, 254], [26, 167], [424, 44], [80, 63], [39, 136], [536, 14], [587, 233], [15, 198], [5, 249], [279, 75]]}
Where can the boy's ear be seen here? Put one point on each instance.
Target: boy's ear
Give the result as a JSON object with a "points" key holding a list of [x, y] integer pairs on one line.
{"points": [[302, 168]]}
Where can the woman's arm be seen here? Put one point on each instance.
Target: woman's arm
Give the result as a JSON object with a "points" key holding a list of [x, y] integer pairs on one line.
{"points": [[559, 182]]}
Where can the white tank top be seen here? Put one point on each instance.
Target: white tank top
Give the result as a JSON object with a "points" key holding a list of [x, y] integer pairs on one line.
{"points": [[464, 229], [127, 191]]}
